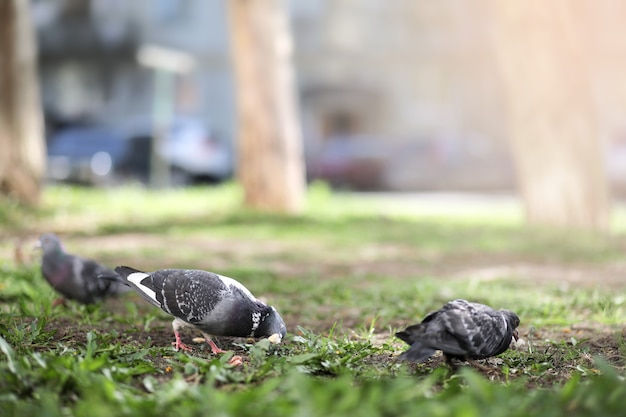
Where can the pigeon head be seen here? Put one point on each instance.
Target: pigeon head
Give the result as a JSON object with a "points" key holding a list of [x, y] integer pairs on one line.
{"points": [[272, 326], [50, 243], [512, 321]]}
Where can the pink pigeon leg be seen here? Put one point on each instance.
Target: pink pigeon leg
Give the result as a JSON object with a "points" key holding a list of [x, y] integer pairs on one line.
{"points": [[214, 348], [178, 344], [235, 360]]}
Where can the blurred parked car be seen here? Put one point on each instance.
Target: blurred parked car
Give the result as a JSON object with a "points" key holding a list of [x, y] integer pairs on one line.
{"points": [[104, 155], [350, 162], [97, 155], [440, 162], [192, 151]]}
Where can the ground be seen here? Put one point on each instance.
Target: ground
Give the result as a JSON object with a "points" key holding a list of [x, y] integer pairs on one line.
{"points": [[345, 276], [384, 260]]}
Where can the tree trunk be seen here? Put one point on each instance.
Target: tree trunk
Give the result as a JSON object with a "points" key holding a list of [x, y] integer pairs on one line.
{"points": [[270, 162], [540, 48], [22, 151]]}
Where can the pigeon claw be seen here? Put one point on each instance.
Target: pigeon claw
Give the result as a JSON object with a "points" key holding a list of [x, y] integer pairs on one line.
{"points": [[178, 345], [214, 348]]}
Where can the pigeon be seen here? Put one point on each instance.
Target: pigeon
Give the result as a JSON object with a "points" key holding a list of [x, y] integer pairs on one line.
{"points": [[214, 304], [460, 329], [74, 277]]}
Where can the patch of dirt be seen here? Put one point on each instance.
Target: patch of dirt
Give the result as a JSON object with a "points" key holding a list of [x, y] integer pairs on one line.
{"points": [[564, 349], [313, 258], [159, 335], [385, 259], [610, 276]]}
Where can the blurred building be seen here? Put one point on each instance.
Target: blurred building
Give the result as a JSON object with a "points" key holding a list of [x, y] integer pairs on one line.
{"points": [[410, 85], [397, 95], [88, 62], [380, 76]]}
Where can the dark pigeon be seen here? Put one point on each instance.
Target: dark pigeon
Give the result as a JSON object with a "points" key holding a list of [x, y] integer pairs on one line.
{"points": [[74, 277], [214, 304], [461, 330]]}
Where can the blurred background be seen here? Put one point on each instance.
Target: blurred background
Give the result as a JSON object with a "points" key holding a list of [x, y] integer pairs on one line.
{"points": [[393, 96], [390, 96]]}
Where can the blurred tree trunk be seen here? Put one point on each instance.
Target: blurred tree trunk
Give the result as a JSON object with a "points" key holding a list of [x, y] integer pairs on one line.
{"points": [[270, 162], [22, 159], [541, 50]]}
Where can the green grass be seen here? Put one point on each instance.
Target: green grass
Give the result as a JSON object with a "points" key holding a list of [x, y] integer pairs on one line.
{"points": [[345, 275]]}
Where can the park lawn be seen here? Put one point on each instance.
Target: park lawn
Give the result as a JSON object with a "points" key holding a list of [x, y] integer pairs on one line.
{"points": [[345, 275]]}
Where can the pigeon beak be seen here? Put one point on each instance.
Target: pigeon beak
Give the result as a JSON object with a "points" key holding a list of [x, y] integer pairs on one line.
{"points": [[275, 338], [516, 335]]}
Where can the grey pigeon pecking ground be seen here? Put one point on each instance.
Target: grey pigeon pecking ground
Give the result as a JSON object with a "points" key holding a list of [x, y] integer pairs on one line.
{"points": [[74, 277], [461, 330], [214, 304]]}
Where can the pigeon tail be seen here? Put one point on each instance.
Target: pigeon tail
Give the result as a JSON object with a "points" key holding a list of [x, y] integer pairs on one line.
{"points": [[417, 353], [405, 336], [112, 276], [133, 278], [125, 271]]}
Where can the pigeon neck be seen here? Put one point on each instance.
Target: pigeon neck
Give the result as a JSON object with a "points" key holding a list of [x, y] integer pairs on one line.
{"points": [[58, 253], [55, 268]]}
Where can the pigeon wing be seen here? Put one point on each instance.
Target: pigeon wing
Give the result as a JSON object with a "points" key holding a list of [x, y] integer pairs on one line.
{"points": [[490, 330], [446, 332], [472, 329], [189, 295]]}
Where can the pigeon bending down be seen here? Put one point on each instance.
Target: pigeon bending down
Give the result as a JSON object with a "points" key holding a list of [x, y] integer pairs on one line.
{"points": [[214, 304], [461, 330], [74, 277]]}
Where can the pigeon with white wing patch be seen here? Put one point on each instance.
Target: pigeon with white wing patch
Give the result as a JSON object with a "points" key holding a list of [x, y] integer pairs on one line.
{"points": [[461, 330], [74, 277], [214, 304]]}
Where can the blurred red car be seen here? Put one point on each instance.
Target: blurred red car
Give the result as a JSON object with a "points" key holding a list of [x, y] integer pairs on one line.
{"points": [[350, 162]]}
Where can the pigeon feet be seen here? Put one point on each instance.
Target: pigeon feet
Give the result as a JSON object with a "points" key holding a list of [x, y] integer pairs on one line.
{"points": [[480, 367], [178, 344], [214, 348], [236, 360]]}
